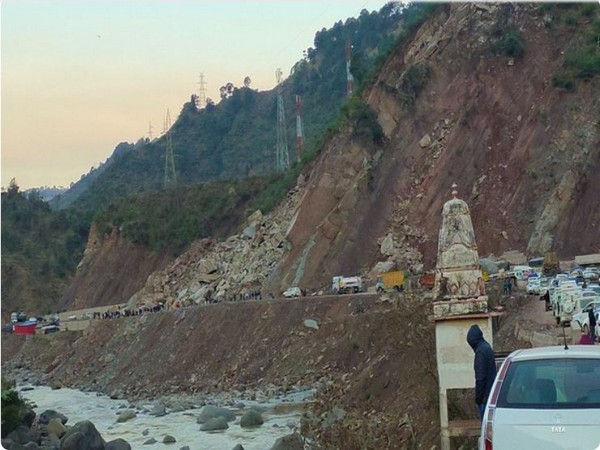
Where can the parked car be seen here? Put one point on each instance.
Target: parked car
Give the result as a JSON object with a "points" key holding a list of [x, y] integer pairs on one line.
{"points": [[583, 319], [292, 292], [533, 286], [593, 288], [544, 395], [591, 274], [522, 272], [49, 329]]}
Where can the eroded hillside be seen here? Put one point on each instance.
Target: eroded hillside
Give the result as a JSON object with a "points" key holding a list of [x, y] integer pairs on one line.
{"points": [[523, 152], [456, 105]]}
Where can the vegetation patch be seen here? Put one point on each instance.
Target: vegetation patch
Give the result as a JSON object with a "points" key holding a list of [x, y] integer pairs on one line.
{"points": [[508, 41], [364, 120], [412, 82], [582, 57], [13, 408], [174, 218], [584, 61], [563, 80]]}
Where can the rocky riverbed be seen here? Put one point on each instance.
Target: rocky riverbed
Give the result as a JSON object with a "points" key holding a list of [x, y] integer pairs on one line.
{"points": [[228, 420]]}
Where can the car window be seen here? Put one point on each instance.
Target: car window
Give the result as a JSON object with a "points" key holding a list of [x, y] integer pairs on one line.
{"points": [[562, 383]]}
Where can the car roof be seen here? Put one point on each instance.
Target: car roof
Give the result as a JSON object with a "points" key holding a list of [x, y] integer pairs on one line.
{"points": [[559, 351]]}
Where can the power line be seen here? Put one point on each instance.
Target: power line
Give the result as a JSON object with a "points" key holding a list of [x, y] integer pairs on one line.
{"points": [[201, 92], [282, 157], [170, 177]]}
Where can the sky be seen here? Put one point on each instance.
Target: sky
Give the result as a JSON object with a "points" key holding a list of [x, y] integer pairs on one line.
{"points": [[79, 77]]}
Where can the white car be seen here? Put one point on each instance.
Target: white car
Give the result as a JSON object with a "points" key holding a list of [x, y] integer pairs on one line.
{"points": [[583, 318], [533, 286], [292, 292], [545, 397]]}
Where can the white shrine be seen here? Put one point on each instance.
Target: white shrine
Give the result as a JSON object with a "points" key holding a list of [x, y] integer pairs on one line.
{"points": [[459, 302]]}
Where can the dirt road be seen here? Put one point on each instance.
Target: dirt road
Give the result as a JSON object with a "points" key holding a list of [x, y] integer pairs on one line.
{"points": [[530, 324]]}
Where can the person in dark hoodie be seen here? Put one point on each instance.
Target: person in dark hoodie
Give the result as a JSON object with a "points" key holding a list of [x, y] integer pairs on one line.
{"points": [[484, 365]]}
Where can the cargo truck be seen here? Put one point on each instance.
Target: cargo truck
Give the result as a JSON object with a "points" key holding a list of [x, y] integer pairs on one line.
{"points": [[346, 285], [391, 280]]}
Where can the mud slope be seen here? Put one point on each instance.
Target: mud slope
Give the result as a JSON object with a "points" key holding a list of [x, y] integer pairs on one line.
{"points": [[523, 153]]}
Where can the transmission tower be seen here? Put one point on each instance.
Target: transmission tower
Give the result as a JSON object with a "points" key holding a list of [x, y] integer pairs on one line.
{"points": [[170, 179], [299, 133], [349, 77], [150, 130], [201, 92], [281, 153]]}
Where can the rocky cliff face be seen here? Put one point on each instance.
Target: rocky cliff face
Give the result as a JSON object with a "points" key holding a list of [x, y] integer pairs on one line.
{"points": [[523, 153], [111, 271]]}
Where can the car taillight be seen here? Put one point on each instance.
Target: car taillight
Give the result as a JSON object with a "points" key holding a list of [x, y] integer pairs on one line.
{"points": [[491, 405], [489, 425]]}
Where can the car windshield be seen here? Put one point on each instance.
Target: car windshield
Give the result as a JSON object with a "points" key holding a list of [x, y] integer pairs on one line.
{"points": [[561, 383]]}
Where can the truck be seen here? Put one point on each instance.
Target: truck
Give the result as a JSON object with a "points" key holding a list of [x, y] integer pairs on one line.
{"points": [[346, 285], [565, 299], [391, 280], [427, 280], [551, 265]]}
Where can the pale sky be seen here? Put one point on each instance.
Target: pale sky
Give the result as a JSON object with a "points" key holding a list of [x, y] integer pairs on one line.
{"points": [[79, 77]]}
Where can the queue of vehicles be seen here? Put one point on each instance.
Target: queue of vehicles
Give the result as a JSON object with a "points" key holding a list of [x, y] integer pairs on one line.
{"points": [[568, 295], [386, 282], [21, 323]]}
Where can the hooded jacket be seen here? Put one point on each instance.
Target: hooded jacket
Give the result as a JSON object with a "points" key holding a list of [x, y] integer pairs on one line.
{"points": [[484, 365]]}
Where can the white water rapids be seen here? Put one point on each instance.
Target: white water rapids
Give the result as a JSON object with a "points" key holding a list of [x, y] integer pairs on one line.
{"points": [[102, 412]]}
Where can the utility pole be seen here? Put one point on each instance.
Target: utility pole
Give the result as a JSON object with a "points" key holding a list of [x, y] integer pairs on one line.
{"points": [[170, 178], [201, 92], [282, 157], [349, 77], [150, 131], [299, 133]]}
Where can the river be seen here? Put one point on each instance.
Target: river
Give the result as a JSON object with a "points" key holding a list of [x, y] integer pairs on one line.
{"points": [[280, 416]]}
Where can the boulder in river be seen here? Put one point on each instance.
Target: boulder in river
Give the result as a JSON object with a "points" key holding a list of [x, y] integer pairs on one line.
{"points": [[210, 412], [82, 436], [214, 424], [251, 419], [118, 444]]}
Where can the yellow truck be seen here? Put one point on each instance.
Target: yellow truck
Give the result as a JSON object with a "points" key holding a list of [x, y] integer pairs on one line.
{"points": [[391, 280]]}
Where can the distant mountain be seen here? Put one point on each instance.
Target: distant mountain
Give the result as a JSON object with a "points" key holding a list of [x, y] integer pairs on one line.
{"points": [[65, 198], [46, 193]]}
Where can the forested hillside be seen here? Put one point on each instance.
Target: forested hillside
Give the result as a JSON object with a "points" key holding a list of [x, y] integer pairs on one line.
{"points": [[232, 142], [236, 138], [40, 250]]}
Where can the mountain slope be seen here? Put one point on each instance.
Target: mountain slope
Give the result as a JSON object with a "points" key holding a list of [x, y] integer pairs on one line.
{"points": [[523, 152], [453, 109]]}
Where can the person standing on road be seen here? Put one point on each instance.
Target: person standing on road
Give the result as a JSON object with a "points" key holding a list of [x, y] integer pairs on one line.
{"points": [[484, 366], [592, 323]]}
